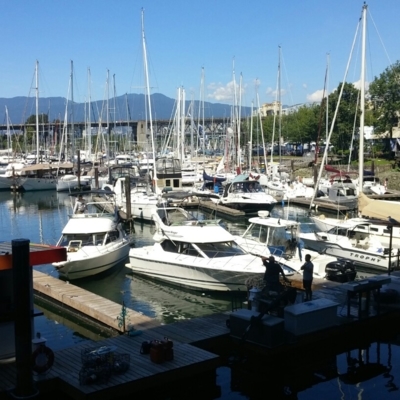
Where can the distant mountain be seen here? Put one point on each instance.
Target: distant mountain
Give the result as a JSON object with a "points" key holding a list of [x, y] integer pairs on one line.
{"points": [[131, 107]]}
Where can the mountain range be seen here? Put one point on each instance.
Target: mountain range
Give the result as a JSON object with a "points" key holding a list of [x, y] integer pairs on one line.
{"points": [[121, 108]]}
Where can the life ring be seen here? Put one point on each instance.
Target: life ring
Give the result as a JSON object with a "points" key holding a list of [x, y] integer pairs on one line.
{"points": [[42, 359]]}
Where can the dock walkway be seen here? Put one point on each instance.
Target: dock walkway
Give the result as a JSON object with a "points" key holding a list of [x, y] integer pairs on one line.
{"points": [[197, 344], [89, 304]]}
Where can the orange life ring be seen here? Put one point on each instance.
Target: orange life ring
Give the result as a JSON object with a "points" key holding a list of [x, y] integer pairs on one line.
{"points": [[42, 359]]}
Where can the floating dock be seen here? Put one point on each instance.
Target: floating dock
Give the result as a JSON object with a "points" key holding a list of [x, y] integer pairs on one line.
{"points": [[200, 345], [90, 305]]}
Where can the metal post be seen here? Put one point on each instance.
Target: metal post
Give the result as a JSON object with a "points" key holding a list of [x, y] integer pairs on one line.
{"points": [[23, 306], [390, 227]]}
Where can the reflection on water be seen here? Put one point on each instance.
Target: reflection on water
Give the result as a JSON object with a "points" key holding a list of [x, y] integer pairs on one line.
{"points": [[169, 304]]}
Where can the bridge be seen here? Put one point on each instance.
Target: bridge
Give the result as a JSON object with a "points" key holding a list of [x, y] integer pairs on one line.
{"points": [[216, 126]]}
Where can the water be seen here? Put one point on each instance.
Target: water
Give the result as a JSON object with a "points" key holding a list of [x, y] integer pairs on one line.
{"points": [[40, 218]]}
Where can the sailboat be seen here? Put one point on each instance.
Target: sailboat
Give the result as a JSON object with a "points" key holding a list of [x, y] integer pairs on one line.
{"points": [[354, 241], [67, 181], [144, 200], [37, 176]]}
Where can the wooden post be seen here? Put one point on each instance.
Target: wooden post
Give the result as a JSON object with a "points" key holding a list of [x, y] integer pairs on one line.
{"points": [[23, 305], [96, 177], [78, 155], [315, 175]]}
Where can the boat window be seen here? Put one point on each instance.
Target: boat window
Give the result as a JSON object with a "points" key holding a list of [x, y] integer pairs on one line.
{"points": [[338, 231], [169, 246], [257, 232], [111, 236], [374, 229], [361, 227], [386, 231], [86, 239], [238, 188], [222, 249], [188, 249]]}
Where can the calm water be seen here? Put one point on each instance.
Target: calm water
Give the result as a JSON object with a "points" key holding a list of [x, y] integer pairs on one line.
{"points": [[40, 218]]}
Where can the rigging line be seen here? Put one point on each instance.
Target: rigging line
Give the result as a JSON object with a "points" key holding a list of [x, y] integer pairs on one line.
{"points": [[335, 114], [323, 103], [380, 38]]}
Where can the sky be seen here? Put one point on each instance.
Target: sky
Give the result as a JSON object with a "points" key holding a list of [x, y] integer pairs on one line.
{"points": [[207, 47]]}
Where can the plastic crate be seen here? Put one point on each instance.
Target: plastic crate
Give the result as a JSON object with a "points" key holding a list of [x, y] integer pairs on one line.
{"points": [[96, 375], [121, 363], [95, 356]]}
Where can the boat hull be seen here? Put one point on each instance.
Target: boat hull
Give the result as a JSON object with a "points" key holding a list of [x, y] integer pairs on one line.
{"points": [[93, 260], [197, 274], [362, 259]]}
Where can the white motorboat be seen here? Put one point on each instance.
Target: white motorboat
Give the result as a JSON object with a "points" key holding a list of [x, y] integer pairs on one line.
{"points": [[279, 237], [380, 230], [351, 243], [95, 240], [342, 193], [246, 194], [197, 254]]}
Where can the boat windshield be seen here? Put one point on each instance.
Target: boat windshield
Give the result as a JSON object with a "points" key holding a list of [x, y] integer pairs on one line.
{"points": [[338, 231], [272, 236], [85, 239], [220, 249]]}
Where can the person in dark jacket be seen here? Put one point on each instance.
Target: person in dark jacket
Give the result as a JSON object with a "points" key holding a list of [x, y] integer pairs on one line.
{"points": [[271, 275], [308, 271]]}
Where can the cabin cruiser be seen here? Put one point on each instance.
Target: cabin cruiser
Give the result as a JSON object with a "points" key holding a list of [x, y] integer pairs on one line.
{"points": [[196, 254], [94, 237], [351, 243], [380, 230], [246, 194], [279, 237]]}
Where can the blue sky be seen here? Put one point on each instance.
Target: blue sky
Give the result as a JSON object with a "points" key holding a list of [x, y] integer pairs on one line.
{"points": [[187, 37]]}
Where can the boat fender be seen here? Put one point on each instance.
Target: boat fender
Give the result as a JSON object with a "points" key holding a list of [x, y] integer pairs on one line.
{"points": [[42, 359]]}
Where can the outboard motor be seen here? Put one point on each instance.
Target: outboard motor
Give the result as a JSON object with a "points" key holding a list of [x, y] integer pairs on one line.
{"points": [[340, 271]]}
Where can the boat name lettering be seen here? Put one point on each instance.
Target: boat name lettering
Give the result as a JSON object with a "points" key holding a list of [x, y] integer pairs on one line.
{"points": [[361, 257]]}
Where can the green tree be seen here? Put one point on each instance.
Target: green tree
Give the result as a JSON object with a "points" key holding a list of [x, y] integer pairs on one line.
{"points": [[347, 116], [385, 98]]}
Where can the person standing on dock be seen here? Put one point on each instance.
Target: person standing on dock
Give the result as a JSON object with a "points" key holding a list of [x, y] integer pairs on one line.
{"points": [[271, 275], [308, 270]]}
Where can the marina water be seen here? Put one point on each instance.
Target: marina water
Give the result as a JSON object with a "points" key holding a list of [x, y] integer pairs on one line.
{"points": [[41, 216]]}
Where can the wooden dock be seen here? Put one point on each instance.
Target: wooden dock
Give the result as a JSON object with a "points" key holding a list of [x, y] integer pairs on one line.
{"points": [[317, 204], [199, 344], [220, 210], [89, 304], [143, 374]]}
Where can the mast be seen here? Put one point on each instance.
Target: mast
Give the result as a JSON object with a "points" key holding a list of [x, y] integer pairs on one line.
{"points": [[147, 85], [182, 129], [72, 114], [280, 108], [239, 153], [108, 117], [37, 110], [89, 127], [362, 102]]}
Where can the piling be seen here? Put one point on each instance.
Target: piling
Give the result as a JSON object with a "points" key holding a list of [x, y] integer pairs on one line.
{"points": [[23, 307]]}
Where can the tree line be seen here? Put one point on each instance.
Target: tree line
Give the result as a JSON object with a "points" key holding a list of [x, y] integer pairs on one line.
{"points": [[308, 123]]}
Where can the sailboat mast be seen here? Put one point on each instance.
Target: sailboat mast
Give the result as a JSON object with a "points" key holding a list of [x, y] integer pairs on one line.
{"points": [[362, 102], [147, 84], [280, 107], [89, 127], [72, 115], [182, 121], [37, 111]]}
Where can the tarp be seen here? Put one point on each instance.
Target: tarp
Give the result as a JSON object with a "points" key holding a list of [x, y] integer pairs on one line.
{"points": [[378, 209]]}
